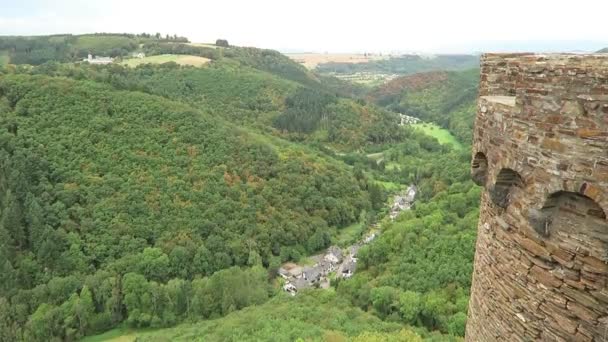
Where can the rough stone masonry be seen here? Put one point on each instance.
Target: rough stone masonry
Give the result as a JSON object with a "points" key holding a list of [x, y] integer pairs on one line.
{"points": [[541, 153]]}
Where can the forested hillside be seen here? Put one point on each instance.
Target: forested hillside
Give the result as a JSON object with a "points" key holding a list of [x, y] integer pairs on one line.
{"points": [[306, 317], [146, 197], [446, 98], [244, 95], [65, 48], [404, 65], [130, 182]]}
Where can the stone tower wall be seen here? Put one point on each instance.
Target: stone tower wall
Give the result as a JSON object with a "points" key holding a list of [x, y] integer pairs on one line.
{"points": [[540, 150]]}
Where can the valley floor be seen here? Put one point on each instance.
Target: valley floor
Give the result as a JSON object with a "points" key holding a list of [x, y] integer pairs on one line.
{"points": [[441, 134]]}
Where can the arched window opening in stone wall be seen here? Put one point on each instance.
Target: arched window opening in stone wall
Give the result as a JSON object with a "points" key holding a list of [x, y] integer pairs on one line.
{"points": [[479, 169], [573, 222], [506, 181]]}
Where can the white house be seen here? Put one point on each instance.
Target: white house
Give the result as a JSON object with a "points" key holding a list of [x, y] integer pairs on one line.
{"points": [[289, 287], [98, 60]]}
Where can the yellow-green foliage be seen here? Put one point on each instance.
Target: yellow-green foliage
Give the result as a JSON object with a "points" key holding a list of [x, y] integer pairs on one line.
{"points": [[401, 336], [320, 316], [4, 58]]}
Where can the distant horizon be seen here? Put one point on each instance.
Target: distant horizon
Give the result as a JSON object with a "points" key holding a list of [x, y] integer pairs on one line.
{"points": [[552, 46], [546, 46], [433, 26]]}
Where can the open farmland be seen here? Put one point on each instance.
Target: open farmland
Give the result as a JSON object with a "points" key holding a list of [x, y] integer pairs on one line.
{"points": [[311, 60], [179, 59]]}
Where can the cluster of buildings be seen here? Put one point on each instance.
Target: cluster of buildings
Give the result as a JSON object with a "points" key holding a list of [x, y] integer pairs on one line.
{"points": [[98, 60], [335, 260], [299, 277], [405, 119], [403, 201], [107, 60]]}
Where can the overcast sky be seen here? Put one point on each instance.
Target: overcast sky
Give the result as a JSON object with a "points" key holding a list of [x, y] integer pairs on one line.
{"points": [[330, 25]]}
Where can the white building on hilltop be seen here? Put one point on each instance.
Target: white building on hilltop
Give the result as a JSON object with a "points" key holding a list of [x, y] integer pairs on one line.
{"points": [[98, 60]]}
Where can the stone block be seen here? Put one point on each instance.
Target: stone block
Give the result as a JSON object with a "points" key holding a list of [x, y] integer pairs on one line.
{"points": [[544, 277], [582, 312]]}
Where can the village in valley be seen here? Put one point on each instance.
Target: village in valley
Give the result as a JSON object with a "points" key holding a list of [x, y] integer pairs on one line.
{"points": [[317, 276], [335, 260]]}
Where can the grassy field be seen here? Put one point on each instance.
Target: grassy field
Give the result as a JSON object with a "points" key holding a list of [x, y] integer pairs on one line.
{"points": [[443, 135], [390, 186], [114, 335], [179, 59], [349, 235], [210, 45], [3, 57]]}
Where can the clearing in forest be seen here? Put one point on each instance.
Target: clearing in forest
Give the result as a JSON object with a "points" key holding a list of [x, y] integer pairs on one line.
{"points": [[4, 59], [160, 59], [114, 335], [441, 134]]}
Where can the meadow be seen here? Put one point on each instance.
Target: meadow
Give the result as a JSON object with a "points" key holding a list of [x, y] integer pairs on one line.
{"points": [[441, 134], [4, 58], [160, 59]]}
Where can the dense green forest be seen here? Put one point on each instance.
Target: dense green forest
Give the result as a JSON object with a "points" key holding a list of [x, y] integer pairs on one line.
{"points": [[273, 103], [448, 102], [65, 48], [418, 271], [128, 176], [141, 198], [310, 316]]}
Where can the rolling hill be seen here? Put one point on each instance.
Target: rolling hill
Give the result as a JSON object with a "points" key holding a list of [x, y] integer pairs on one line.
{"points": [[144, 197], [444, 97], [404, 65], [256, 88]]}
